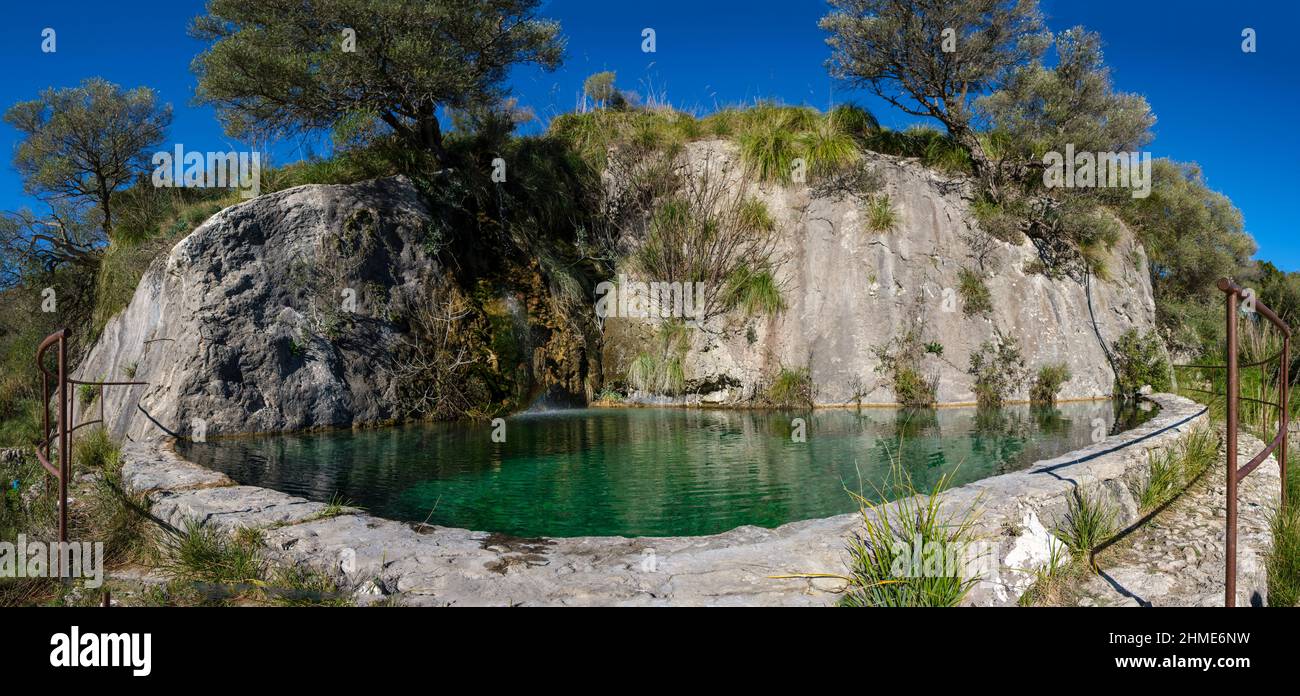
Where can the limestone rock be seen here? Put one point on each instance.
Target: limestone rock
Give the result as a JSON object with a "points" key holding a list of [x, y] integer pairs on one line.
{"points": [[848, 289], [233, 326]]}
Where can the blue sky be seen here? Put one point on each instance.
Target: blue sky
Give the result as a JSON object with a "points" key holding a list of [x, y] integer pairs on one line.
{"points": [[1231, 112]]}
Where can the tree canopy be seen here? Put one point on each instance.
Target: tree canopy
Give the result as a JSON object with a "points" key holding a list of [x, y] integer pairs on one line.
{"points": [[932, 57], [82, 144], [278, 66]]}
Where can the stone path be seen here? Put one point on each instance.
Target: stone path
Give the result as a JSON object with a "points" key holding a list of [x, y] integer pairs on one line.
{"points": [[1176, 558]]}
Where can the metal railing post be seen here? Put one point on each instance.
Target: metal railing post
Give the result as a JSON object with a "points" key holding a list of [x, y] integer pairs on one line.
{"points": [[1286, 413], [65, 449], [1230, 541]]}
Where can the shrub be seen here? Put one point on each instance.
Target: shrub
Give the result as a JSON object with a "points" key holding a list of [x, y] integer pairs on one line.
{"points": [[975, 295], [999, 222], [791, 388], [1139, 361], [661, 370], [901, 360], [1047, 383], [599, 87], [998, 369], [712, 233]]}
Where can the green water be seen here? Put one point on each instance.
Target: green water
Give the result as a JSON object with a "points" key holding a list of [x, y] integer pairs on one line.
{"points": [[650, 472]]}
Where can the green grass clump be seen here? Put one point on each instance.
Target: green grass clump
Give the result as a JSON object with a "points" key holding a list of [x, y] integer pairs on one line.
{"points": [[1088, 522], [975, 296], [1172, 470], [754, 292], [211, 566], [1053, 581], [1165, 480], [791, 388], [337, 505], [86, 394], [880, 554], [95, 450], [301, 586], [827, 148], [662, 371], [881, 216], [1047, 383], [770, 146], [206, 554]]}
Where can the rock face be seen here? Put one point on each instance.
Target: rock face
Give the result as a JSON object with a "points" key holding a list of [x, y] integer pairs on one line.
{"points": [[244, 323], [279, 313], [849, 289]]}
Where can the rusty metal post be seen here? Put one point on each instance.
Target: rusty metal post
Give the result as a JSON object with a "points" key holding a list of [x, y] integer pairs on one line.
{"points": [[1286, 413], [45, 412], [65, 449], [1230, 540]]}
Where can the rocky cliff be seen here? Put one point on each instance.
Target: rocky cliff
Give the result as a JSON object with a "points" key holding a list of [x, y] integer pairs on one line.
{"points": [[283, 312], [848, 290]]}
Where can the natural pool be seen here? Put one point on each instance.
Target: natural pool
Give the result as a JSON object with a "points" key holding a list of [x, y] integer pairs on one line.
{"points": [[652, 472]]}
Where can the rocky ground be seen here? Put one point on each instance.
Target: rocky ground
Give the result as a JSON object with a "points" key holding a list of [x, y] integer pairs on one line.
{"points": [[1177, 559]]}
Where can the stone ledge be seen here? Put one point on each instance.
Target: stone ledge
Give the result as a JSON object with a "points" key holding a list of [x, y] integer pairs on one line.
{"points": [[440, 565]]}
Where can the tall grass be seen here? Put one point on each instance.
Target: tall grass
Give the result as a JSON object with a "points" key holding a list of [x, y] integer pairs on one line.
{"points": [[791, 388], [754, 291], [881, 571], [1088, 522], [881, 216]]}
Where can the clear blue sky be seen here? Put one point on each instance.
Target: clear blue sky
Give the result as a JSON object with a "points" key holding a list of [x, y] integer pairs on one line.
{"points": [[1233, 113]]}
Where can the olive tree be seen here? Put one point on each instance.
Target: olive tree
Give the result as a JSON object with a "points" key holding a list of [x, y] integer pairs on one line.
{"points": [[283, 66], [79, 147], [1074, 102], [931, 58]]}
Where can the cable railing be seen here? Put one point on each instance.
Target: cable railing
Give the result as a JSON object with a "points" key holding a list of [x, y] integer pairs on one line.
{"points": [[62, 427], [1232, 397]]}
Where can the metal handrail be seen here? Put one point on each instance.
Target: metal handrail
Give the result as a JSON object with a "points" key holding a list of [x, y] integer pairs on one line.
{"points": [[64, 428], [1235, 474]]}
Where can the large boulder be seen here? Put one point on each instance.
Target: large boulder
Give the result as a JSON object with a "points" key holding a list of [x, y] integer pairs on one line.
{"points": [[272, 315]]}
